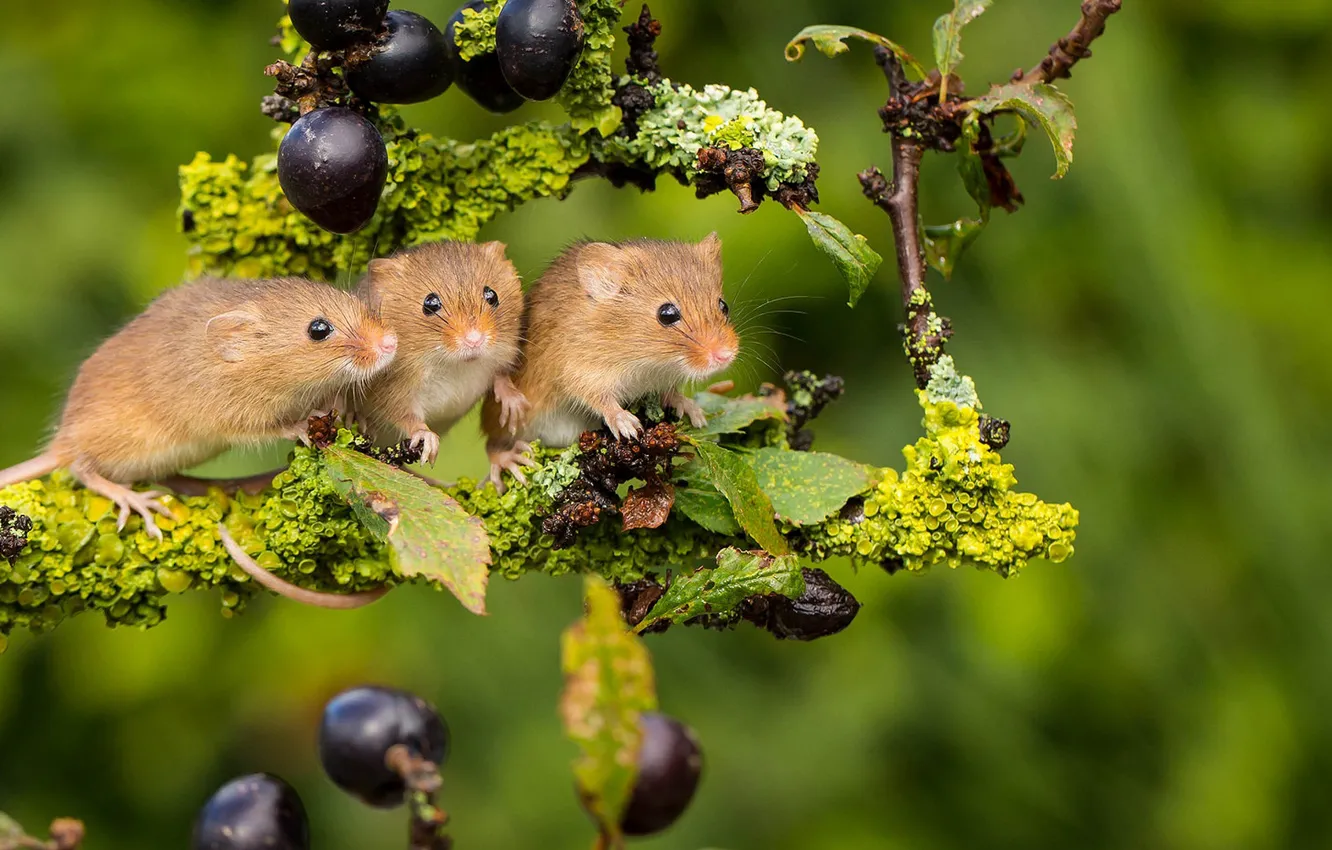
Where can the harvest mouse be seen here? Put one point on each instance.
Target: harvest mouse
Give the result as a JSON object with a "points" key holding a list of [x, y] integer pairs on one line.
{"points": [[457, 308], [608, 324], [208, 365]]}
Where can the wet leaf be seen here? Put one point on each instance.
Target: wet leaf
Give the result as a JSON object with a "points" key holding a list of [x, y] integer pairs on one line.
{"points": [[831, 41], [808, 487], [948, 33], [733, 415], [734, 478], [648, 506], [1041, 106], [718, 590], [850, 252], [608, 684], [429, 534], [944, 243], [707, 508]]}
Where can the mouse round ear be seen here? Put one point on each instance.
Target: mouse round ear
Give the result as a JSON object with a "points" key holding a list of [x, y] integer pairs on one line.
{"points": [[227, 333], [602, 270], [495, 249], [711, 247], [380, 267]]}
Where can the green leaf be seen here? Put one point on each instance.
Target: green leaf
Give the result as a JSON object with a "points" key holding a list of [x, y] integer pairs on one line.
{"points": [[808, 487], [9, 828], [944, 243], [732, 415], [1041, 106], [429, 534], [608, 684], [734, 478], [718, 590], [850, 252], [708, 508], [948, 33], [831, 41]]}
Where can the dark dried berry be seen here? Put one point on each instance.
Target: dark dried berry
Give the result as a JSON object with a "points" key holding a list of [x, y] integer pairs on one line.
{"points": [[538, 42], [256, 812], [332, 164], [825, 608], [670, 764], [332, 24], [408, 64], [480, 77], [359, 727]]}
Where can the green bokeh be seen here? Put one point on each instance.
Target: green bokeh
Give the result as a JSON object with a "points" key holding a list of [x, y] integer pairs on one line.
{"points": [[1153, 325]]}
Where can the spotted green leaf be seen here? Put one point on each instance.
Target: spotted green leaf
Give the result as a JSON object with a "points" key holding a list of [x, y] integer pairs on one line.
{"points": [[850, 252], [1041, 106], [808, 487], [948, 32], [831, 41], [608, 684], [429, 534], [718, 590], [733, 415], [734, 478]]}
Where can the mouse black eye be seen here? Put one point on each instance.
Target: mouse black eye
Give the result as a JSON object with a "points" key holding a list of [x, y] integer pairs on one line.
{"points": [[432, 305], [492, 298], [725, 308], [668, 314], [319, 330]]}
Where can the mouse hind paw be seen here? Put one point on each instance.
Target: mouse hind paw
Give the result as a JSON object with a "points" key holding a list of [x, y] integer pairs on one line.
{"points": [[511, 461], [144, 504]]}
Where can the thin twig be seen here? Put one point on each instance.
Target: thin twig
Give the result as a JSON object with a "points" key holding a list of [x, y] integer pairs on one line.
{"points": [[1068, 50], [421, 776]]}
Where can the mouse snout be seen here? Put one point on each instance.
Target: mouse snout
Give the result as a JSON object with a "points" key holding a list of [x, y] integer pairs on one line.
{"points": [[721, 356], [474, 338], [388, 344]]}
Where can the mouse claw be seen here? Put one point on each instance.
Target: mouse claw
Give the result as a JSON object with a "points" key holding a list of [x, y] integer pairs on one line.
{"points": [[428, 442], [513, 404], [142, 504], [685, 408], [511, 461], [624, 425]]}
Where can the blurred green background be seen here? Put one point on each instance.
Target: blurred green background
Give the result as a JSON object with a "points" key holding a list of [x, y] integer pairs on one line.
{"points": [[1154, 326]]}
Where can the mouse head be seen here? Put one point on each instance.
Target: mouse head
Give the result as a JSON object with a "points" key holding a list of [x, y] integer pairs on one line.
{"points": [[303, 332], [455, 300], [663, 300]]}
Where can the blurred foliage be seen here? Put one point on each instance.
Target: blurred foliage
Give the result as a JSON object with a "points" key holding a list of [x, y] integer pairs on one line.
{"points": [[1153, 325]]}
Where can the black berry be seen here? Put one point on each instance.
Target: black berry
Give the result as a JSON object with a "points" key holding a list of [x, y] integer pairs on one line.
{"points": [[256, 812], [480, 77], [333, 24], [669, 766], [538, 42], [409, 63], [359, 727], [332, 164]]}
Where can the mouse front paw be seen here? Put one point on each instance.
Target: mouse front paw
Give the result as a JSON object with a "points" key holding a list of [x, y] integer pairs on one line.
{"points": [[685, 407], [624, 424], [513, 404], [428, 442]]}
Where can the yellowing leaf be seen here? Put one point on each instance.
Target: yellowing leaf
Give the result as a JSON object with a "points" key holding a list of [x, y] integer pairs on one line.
{"points": [[608, 684], [831, 41], [1041, 106], [429, 534], [808, 487]]}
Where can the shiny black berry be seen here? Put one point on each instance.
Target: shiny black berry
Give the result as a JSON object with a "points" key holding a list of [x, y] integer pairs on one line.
{"points": [[332, 164], [480, 77], [359, 727], [669, 766], [538, 42], [256, 812], [331, 24], [409, 63]]}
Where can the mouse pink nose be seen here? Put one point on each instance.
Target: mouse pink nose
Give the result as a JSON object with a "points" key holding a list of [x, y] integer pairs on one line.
{"points": [[388, 344], [722, 357], [474, 338]]}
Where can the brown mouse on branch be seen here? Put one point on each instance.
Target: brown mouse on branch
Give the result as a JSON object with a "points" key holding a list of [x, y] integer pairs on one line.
{"points": [[457, 308], [208, 365], [608, 324]]}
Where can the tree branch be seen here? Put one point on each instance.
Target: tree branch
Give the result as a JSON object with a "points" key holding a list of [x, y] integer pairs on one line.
{"points": [[1066, 52]]}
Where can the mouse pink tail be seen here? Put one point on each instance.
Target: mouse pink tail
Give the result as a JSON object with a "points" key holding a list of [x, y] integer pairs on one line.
{"points": [[43, 464]]}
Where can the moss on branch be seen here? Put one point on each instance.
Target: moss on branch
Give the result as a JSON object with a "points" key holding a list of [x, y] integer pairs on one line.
{"points": [[955, 503]]}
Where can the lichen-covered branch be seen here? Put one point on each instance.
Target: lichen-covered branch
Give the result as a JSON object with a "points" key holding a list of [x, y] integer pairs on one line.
{"points": [[954, 503]]}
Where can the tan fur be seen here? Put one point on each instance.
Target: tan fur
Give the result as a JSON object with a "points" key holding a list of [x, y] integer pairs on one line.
{"points": [[431, 382], [594, 343], [170, 391]]}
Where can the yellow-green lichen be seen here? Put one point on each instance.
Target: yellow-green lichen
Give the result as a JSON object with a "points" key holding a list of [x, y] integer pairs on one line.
{"points": [[954, 504]]}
